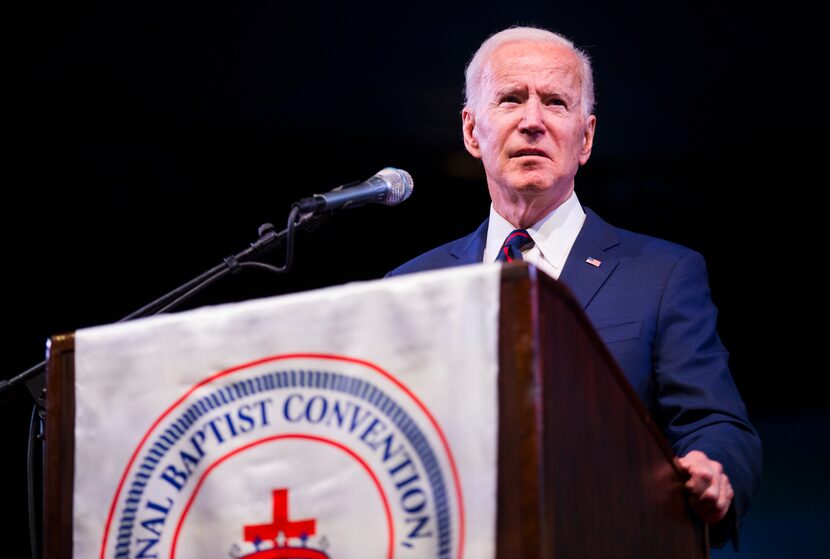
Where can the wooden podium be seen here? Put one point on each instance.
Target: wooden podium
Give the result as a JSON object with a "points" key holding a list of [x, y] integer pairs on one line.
{"points": [[583, 472]]}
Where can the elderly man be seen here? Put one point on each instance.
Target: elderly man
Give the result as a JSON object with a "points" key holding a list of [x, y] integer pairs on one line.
{"points": [[529, 119]]}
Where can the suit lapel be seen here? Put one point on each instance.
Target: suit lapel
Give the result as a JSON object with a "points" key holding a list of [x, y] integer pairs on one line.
{"points": [[583, 279], [592, 245], [470, 249]]}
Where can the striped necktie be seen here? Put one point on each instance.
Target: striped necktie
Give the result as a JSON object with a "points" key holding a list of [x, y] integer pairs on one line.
{"points": [[512, 248]]}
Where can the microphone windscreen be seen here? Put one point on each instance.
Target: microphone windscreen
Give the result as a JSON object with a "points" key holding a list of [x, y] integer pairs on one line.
{"points": [[400, 185]]}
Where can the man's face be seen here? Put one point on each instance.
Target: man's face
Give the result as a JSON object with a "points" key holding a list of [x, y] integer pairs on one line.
{"points": [[528, 125]]}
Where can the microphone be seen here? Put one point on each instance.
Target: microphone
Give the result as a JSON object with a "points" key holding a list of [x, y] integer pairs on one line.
{"points": [[389, 186]]}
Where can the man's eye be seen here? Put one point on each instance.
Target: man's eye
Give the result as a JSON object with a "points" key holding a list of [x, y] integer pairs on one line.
{"points": [[510, 99], [556, 102]]}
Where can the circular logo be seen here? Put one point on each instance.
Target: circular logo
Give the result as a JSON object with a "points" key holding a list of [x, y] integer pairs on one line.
{"points": [[290, 456]]}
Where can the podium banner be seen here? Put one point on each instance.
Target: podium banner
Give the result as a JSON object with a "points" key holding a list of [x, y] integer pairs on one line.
{"points": [[351, 422]]}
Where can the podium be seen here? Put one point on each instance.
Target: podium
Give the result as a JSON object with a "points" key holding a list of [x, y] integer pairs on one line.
{"points": [[582, 471]]}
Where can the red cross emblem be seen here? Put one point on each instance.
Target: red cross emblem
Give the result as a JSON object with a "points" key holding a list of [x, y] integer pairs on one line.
{"points": [[289, 529]]}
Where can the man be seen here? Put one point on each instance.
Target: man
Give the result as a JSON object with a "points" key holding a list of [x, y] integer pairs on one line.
{"points": [[529, 118]]}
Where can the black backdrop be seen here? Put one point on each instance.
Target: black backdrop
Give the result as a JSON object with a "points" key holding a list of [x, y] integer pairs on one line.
{"points": [[145, 142]]}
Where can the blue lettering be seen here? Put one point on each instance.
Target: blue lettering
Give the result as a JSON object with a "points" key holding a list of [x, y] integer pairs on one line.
{"points": [[197, 444], [386, 443], [404, 483], [370, 430], [154, 525], [174, 477], [263, 409], [190, 462], [338, 413], [246, 421], [402, 465], [357, 420], [143, 552], [322, 409], [416, 531], [293, 418], [162, 509], [231, 426], [217, 434], [416, 494]]}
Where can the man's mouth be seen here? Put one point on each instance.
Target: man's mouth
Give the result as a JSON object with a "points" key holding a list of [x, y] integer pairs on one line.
{"points": [[527, 152]]}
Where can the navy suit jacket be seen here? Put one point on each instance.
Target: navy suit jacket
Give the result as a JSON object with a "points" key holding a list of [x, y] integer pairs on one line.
{"points": [[649, 301]]}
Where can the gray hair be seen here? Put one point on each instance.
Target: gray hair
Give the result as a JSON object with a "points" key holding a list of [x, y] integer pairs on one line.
{"points": [[475, 68]]}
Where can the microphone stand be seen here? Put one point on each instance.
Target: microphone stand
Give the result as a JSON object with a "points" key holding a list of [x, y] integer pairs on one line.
{"points": [[35, 379], [268, 240]]}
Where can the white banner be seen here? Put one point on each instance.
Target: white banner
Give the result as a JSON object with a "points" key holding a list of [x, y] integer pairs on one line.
{"points": [[351, 422]]}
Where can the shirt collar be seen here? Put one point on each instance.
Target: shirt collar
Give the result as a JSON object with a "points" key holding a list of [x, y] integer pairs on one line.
{"points": [[553, 235]]}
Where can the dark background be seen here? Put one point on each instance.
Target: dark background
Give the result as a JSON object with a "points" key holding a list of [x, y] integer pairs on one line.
{"points": [[145, 142]]}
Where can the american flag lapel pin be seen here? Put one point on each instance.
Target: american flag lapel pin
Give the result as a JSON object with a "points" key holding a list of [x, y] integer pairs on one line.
{"points": [[593, 261]]}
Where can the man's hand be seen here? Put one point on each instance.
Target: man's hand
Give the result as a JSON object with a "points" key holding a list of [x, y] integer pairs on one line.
{"points": [[711, 492]]}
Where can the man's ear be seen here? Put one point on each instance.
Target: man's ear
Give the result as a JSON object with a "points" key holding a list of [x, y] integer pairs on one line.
{"points": [[468, 127], [588, 139]]}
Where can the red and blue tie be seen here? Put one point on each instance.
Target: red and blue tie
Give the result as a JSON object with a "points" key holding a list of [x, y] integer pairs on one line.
{"points": [[512, 248]]}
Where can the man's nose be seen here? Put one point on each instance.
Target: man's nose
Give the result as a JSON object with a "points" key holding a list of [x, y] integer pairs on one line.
{"points": [[532, 118]]}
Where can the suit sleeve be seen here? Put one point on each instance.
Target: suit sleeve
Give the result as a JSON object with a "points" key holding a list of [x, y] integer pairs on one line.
{"points": [[700, 404]]}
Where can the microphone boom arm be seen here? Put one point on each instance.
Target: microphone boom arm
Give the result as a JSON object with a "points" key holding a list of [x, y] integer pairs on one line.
{"points": [[269, 239]]}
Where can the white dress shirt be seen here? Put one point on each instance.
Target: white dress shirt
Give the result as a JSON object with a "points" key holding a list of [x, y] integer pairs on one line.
{"points": [[553, 236]]}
